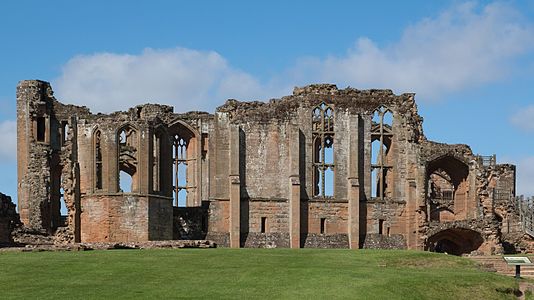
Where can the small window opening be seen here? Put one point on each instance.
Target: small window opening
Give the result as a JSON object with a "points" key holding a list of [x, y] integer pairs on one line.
{"points": [[323, 225], [65, 131], [122, 137], [381, 226], [125, 182], [41, 129], [263, 223], [329, 182], [374, 183], [63, 206], [63, 211], [182, 198], [98, 161]]}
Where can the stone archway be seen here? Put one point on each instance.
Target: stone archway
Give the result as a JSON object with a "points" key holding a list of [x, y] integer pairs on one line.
{"points": [[447, 189], [456, 241]]}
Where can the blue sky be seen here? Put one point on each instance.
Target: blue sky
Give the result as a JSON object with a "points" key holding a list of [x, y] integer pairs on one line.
{"points": [[471, 64]]}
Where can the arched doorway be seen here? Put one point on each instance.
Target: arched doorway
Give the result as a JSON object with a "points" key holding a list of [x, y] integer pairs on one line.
{"points": [[456, 241], [447, 189]]}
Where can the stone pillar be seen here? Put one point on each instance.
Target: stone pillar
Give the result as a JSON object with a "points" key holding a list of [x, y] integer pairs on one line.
{"points": [[353, 185], [110, 159], [411, 215], [354, 213], [198, 170], [144, 161], [294, 187], [234, 188]]}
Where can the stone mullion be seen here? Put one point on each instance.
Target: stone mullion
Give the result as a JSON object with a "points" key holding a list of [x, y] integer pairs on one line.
{"points": [[176, 164]]}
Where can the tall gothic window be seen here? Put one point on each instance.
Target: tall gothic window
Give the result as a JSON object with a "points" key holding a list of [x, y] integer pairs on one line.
{"points": [[185, 164], [381, 137], [323, 150], [98, 160], [180, 169], [127, 137]]}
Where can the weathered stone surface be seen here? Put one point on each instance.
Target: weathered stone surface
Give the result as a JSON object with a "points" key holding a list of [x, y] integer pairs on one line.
{"points": [[323, 167], [380, 241], [9, 220], [111, 246]]}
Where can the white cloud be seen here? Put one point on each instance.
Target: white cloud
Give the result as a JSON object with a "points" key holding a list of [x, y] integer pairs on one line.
{"points": [[8, 132], [463, 47], [523, 119], [188, 79]]}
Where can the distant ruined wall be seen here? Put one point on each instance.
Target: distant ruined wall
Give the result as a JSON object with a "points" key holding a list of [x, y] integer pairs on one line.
{"points": [[9, 219], [323, 167]]}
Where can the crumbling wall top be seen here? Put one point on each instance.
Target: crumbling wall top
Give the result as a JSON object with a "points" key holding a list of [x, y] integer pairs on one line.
{"points": [[349, 99], [434, 150]]}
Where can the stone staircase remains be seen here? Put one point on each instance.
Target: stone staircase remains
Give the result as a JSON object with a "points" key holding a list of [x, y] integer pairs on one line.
{"points": [[497, 264]]}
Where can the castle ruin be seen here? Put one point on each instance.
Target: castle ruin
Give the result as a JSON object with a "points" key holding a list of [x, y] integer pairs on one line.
{"points": [[323, 167]]}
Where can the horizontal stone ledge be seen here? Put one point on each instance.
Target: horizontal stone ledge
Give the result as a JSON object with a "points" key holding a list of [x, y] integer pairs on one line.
{"points": [[169, 244], [315, 200], [97, 194]]}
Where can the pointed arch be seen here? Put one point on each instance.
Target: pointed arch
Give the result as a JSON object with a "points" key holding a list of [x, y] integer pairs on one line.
{"points": [[127, 138], [447, 187], [97, 159], [323, 150], [184, 141], [381, 154]]}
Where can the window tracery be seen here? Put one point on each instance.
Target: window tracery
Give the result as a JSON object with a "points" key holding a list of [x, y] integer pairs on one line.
{"points": [[323, 150]]}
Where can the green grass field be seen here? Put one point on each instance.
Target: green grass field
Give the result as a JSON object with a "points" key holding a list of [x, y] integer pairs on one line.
{"points": [[246, 273]]}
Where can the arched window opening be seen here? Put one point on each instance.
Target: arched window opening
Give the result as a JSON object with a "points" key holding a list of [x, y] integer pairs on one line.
{"points": [[125, 182], [127, 138], [447, 189], [98, 160], [323, 150], [185, 165], [156, 153], [381, 162], [64, 132], [179, 147], [63, 211], [441, 196]]}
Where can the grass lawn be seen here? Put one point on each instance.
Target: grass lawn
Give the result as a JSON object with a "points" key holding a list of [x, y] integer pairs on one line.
{"points": [[246, 273]]}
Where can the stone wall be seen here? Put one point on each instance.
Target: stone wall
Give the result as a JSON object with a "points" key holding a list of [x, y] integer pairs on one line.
{"points": [[380, 241], [9, 219], [317, 240], [252, 173], [125, 218]]}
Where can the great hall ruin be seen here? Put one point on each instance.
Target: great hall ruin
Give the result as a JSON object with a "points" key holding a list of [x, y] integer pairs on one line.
{"points": [[323, 167]]}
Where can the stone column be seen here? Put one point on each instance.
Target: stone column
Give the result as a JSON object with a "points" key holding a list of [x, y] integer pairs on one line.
{"points": [[234, 188], [354, 213], [110, 159], [294, 188], [353, 185], [144, 161], [411, 214]]}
